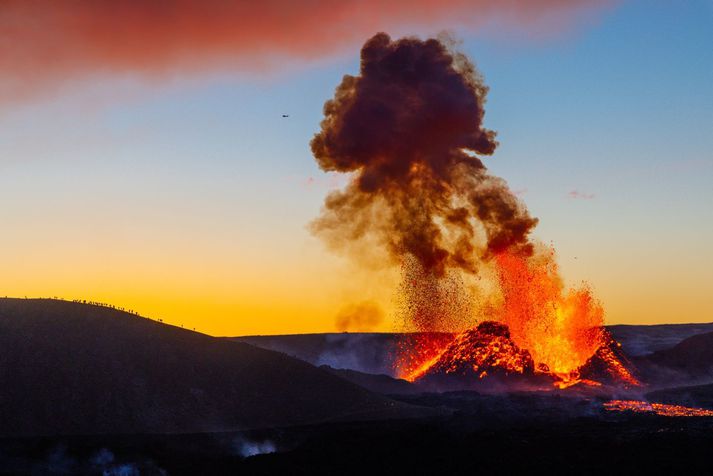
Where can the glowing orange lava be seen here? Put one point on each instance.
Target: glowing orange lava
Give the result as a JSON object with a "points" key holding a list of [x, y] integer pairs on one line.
{"points": [[661, 409], [560, 330], [614, 365], [480, 351], [418, 352]]}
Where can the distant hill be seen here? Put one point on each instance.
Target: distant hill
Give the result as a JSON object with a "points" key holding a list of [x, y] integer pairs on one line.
{"points": [[375, 352], [693, 354], [691, 360], [380, 383], [365, 352], [639, 340], [70, 368]]}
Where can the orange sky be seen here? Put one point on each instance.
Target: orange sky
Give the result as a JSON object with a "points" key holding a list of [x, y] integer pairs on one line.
{"points": [[122, 181]]}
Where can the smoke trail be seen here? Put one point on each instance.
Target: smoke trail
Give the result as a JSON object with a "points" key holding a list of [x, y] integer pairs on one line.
{"points": [[409, 128]]}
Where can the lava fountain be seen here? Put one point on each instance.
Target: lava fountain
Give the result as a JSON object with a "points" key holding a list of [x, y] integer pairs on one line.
{"points": [[561, 329], [538, 327]]}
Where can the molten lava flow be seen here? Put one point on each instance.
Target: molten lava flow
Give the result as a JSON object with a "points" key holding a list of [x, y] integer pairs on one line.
{"points": [[481, 351], [611, 362], [541, 329], [417, 352], [661, 409]]}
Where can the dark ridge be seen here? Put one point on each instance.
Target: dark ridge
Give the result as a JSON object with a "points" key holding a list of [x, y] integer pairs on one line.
{"points": [[689, 361], [637, 340], [380, 383], [374, 352], [71, 368]]}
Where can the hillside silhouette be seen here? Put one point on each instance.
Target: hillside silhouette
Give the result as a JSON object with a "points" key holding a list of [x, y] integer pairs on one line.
{"points": [[689, 362], [74, 368]]}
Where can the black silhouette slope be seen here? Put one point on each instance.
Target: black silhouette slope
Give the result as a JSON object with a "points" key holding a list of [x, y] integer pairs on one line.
{"points": [[70, 368], [377, 383]]}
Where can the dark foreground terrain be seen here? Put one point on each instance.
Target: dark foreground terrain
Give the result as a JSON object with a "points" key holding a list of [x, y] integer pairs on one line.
{"points": [[71, 368], [581, 440], [87, 389]]}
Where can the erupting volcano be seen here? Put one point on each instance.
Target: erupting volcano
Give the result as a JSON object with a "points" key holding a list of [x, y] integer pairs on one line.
{"points": [[409, 130], [539, 330], [486, 349]]}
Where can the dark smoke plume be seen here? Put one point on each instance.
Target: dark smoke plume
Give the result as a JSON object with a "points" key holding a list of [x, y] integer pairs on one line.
{"points": [[409, 128]]}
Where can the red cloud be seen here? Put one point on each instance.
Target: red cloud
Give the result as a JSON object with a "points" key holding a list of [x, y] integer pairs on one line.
{"points": [[46, 42], [575, 194]]}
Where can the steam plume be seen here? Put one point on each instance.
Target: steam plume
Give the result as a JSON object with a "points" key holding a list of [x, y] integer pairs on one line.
{"points": [[409, 128]]}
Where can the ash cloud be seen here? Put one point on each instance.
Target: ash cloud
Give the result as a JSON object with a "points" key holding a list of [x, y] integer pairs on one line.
{"points": [[577, 195], [363, 316], [409, 129]]}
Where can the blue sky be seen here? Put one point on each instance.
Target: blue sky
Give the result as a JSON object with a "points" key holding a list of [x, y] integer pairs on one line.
{"points": [[620, 109]]}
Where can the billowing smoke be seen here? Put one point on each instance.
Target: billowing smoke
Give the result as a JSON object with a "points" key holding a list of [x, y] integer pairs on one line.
{"points": [[409, 128], [363, 316]]}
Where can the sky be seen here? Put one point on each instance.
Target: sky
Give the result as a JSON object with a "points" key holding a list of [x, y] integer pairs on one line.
{"points": [[162, 177]]}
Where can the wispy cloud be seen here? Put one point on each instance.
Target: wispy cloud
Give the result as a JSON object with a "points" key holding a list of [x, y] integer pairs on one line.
{"points": [[577, 195], [44, 43]]}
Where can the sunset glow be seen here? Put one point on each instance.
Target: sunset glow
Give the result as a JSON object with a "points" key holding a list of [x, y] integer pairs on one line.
{"points": [[168, 181]]}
